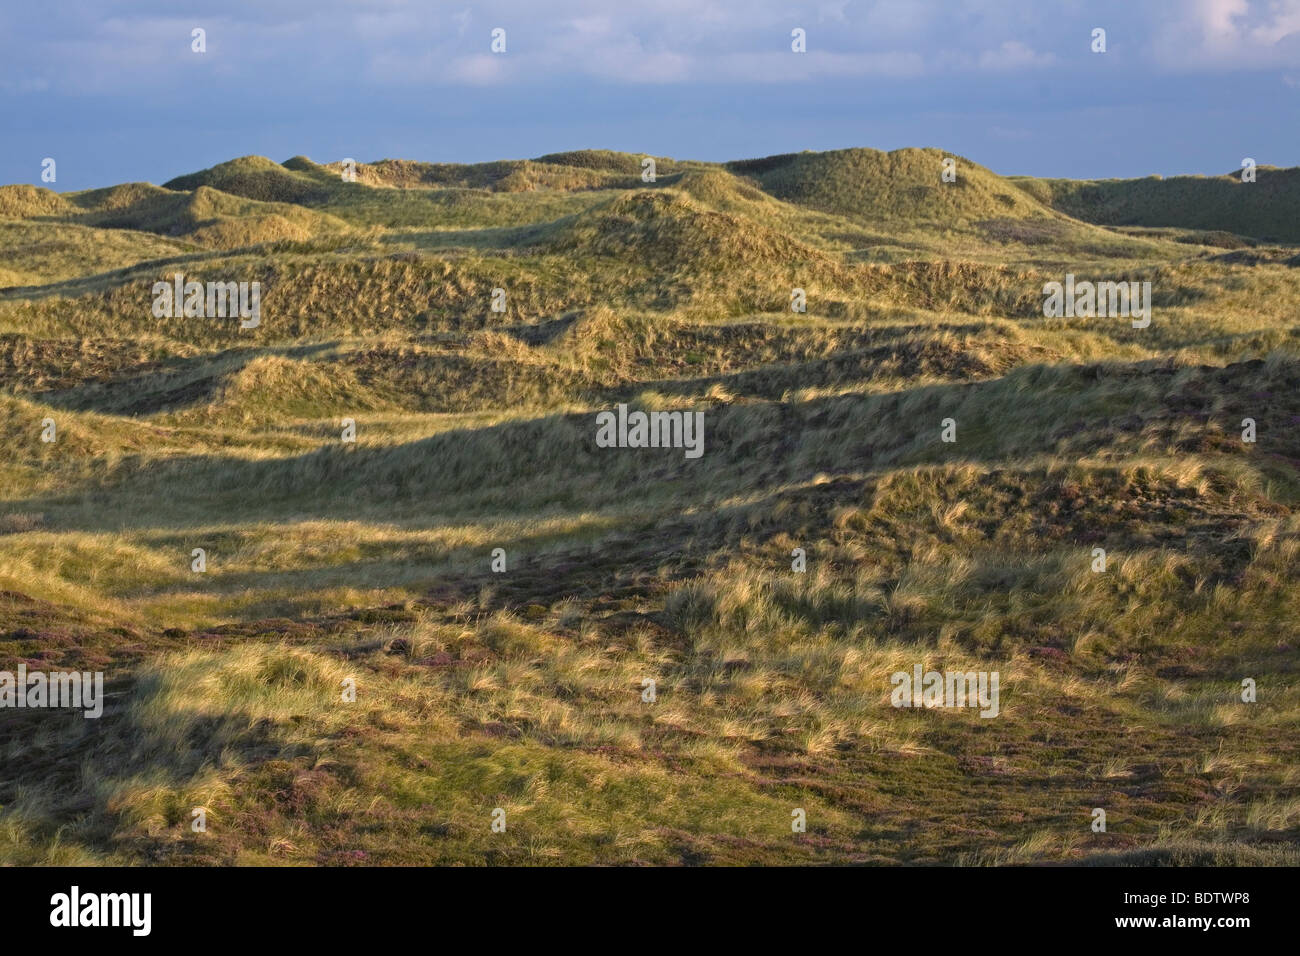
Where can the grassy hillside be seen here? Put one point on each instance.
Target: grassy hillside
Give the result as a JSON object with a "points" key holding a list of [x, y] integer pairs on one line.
{"points": [[524, 689], [1267, 209], [905, 184]]}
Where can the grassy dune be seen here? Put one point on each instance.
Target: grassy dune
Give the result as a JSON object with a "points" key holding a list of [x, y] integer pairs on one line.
{"points": [[371, 562], [1236, 213]]}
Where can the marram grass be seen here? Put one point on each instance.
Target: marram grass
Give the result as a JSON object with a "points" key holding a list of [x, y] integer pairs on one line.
{"points": [[669, 656]]}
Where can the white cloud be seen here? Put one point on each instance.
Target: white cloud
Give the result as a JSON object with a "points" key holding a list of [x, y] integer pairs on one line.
{"points": [[833, 10], [115, 47], [782, 67], [1229, 34], [1013, 55], [480, 69]]}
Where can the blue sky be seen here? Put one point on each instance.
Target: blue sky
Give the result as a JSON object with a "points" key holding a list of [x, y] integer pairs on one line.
{"points": [[113, 92]]}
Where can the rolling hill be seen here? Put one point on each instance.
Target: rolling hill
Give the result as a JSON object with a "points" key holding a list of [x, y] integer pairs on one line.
{"points": [[1267, 209], [395, 479]]}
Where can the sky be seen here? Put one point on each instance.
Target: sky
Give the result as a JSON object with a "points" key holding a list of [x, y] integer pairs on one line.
{"points": [[114, 91]]}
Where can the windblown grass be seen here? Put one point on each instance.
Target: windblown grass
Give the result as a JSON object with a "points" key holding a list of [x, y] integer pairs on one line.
{"points": [[522, 690]]}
